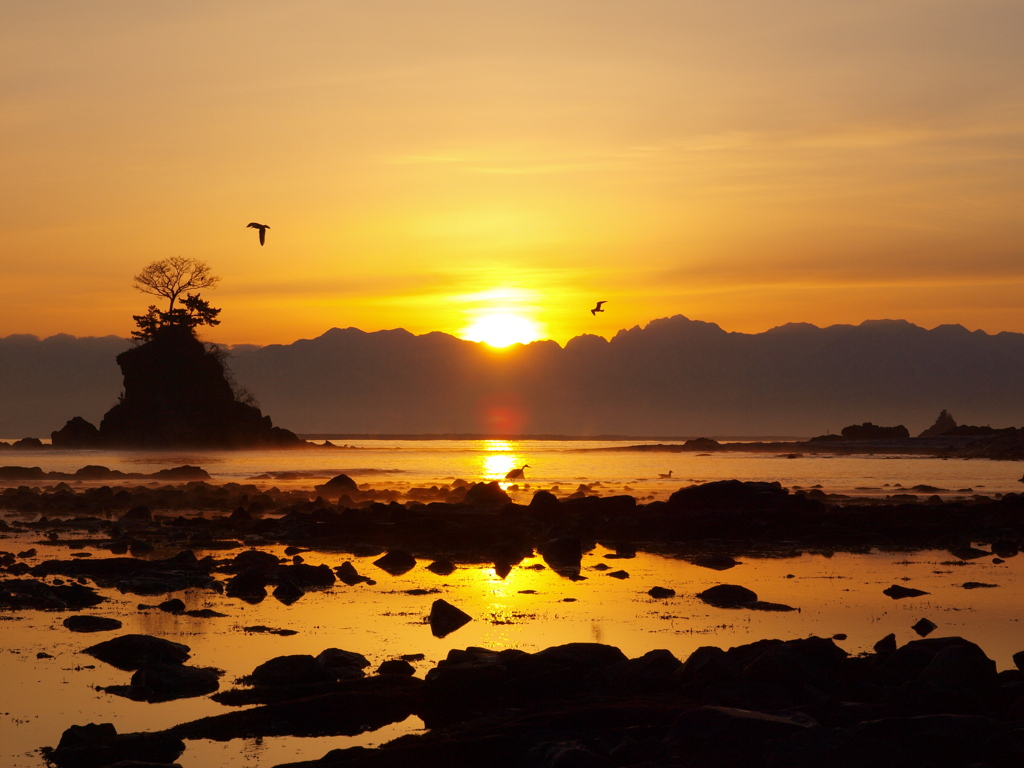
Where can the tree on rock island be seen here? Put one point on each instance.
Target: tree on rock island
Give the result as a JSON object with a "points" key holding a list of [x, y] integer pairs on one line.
{"points": [[177, 392]]}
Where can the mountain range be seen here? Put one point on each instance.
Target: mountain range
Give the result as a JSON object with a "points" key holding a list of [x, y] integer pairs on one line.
{"points": [[673, 377]]}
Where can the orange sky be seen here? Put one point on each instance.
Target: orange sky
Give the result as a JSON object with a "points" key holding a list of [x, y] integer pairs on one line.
{"points": [[422, 164]]}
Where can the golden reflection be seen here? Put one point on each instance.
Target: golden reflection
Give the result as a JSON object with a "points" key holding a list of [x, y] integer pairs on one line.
{"points": [[501, 457]]}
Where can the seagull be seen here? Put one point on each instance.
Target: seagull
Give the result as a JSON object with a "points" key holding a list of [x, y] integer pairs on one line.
{"points": [[668, 476], [515, 474], [594, 311], [261, 227]]}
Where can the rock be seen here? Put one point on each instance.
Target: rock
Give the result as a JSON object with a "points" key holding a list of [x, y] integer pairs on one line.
{"points": [[886, 645], [75, 434], [254, 560], [347, 574], [728, 495], [661, 592], [445, 618], [396, 562], [335, 659], [336, 486], [174, 605], [896, 592], [167, 682], [250, 586], [651, 673], [177, 395], [727, 596], [962, 666], [618, 574], [21, 594], [95, 745], [396, 667], [183, 474], [565, 552], [924, 627], [544, 502], [869, 431], [732, 730], [486, 495], [706, 666], [288, 592], [130, 652], [137, 514], [716, 562], [91, 623], [978, 585], [1018, 660], [442, 567], [297, 669]]}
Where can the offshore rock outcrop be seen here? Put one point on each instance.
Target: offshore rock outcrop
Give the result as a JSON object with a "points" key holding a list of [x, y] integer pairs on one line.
{"points": [[176, 395]]}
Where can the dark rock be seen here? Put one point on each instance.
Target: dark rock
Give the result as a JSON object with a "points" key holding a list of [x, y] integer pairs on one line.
{"points": [[978, 585], [651, 673], [728, 495], [886, 645], [91, 623], [336, 486], [486, 495], [869, 431], [565, 552], [716, 562], [396, 667], [896, 592], [139, 514], [297, 669], [167, 682], [260, 629], [335, 659], [727, 596], [254, 560], [183, 474], [661, 592], [445, 618], [544, 502], [130, 652], [347, 574], [924, 627], [706, 666], [176, 394], [396, 562], [250, 586], [1018, 660], [731, 730], [288, 592], [619, 574], [76, 433], [98, 745], [21, 594], [442, 567], [174, 605]]}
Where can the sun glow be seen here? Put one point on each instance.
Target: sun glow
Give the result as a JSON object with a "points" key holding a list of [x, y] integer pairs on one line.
{"points": [[502, 329]]}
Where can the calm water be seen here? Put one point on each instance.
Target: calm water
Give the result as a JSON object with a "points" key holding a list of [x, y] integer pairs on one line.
{"points": [[530, 609]]}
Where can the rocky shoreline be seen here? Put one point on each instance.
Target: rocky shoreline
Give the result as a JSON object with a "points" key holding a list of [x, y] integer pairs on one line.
{"points": [[773, 703]]}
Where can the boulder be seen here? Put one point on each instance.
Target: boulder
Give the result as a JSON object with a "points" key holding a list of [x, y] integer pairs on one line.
{"points": [[347, 574], [297, 669], [91, 623], [75, 434], [727, 596], [565, 552], [99, 744], [396, 667], [396, 562], [728, 495], [445, 618], [167, 682], [442, 567], [661, 592], [897, 592], [336, 486], [486, 495], [335, 659], [129, 652]]}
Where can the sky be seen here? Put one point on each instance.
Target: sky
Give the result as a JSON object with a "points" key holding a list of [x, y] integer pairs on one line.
{"points": [[428, 165]]}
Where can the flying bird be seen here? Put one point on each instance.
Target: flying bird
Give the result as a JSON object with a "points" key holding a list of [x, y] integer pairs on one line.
{"points": [[515, 474], [668, 476], [596, 309], [261, 227]]}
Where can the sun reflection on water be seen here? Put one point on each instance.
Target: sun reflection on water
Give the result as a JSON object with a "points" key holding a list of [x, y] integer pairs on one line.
{"points": [[499, 458]]}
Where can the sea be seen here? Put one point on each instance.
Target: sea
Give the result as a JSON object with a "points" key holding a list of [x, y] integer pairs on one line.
{"points": [[834, 594]]}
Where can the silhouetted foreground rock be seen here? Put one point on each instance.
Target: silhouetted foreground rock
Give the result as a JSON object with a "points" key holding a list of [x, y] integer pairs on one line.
{"points": [[770, 704], [99, 745], [176, 394], [131, 652]]}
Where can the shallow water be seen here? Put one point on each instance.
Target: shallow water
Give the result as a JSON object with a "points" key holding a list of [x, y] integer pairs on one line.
{"points": [[530, 609]]}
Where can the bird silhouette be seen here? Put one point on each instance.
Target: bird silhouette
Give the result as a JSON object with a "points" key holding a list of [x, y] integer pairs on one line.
{"points": [[261, 227], [516, 474], [597, 309], [668, 476]]}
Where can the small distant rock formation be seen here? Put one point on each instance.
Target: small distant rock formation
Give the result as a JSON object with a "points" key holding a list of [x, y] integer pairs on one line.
{"points": [[942, 425], [869, 431], [177, 394]]}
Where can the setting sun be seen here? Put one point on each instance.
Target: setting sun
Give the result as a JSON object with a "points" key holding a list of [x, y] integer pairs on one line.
{"points": [[501, 330]]}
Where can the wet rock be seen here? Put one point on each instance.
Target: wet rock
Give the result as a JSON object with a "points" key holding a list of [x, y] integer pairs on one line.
{"points": [[661, 592], [254, 560], [250, 586], [22, 594], [347, 574], [396, 562], [260, 629], [727, 596], [565, 552], [297, 669], [618, 574], [138, 514], [704, 667], [978, 585], [944, 740], [445, 618], [77, 433], [962, 666], [486, 495], [186, 473], [174, 605], [396, 667], [897, 592], [716, 562], [97, 745], [288, 592], [336, 486], [764, 605], [650, 673], [442, 567], [924, 627], [335, 659], [728, 495], [544, 502], [1018, 660], [129, 652], [886, 645], [167, 682], [732, 730], [91, 623]]}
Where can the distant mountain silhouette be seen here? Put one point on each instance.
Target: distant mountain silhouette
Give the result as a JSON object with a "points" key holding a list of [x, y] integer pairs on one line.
{"points": [[673, 377]]}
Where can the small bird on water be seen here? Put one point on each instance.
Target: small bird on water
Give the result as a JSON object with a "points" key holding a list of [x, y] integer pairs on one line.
{"points": [[515, 474], [668, 476], [597, 309], [261, 227]]}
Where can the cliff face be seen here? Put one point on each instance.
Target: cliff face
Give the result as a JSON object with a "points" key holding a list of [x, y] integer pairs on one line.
{"points": [[177, 395]]}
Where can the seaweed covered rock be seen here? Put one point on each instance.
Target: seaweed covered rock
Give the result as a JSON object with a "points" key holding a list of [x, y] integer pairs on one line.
{"points": [[177, 394]]}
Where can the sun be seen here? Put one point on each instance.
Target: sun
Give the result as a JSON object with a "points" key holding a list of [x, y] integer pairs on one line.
{"points": [[502, 329]]}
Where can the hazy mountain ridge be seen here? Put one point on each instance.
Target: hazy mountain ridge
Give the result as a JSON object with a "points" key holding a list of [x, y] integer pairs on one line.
{"points": [[674, 376]]}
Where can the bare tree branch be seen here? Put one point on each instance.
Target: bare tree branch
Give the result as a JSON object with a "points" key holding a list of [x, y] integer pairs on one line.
{"points": [[172, 277]]}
